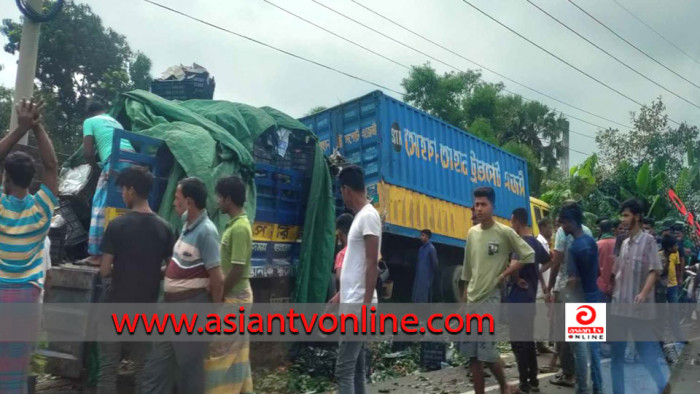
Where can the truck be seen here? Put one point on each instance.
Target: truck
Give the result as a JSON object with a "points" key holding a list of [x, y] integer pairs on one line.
{"points": [[420, 173], [284, 154], [282, 181]]}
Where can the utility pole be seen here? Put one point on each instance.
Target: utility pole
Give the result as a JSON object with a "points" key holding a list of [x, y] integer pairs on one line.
{"points": [[564, 161], [26, 67]]}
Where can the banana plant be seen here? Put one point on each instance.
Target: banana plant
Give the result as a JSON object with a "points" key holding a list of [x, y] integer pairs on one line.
{"points": [[650, 187], [579, 185]]}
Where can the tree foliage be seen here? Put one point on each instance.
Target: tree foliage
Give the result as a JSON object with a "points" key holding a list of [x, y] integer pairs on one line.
{"points": [[651, 141], [79, 59], [528, 129], [5, 108], [643, 163], [315, 110], [444, 96]]}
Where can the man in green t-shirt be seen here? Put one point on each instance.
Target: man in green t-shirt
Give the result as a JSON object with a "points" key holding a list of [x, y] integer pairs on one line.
{"points": [[237, 241], [98, 133], [487, 262], [228, 364]]}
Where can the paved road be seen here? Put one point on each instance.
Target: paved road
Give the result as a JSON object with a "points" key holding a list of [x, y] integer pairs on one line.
{"points": [[685, 378]]}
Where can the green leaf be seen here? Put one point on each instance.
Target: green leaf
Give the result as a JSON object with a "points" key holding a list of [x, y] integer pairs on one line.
{"points": [[625, 194], [573, 171], [653, 206], [643, 180]]}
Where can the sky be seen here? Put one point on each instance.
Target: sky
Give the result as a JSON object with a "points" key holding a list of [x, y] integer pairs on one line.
{"points": [[250, 73]]}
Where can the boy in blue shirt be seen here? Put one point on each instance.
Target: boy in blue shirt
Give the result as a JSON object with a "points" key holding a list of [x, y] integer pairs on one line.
{"points": [[582, 286]]}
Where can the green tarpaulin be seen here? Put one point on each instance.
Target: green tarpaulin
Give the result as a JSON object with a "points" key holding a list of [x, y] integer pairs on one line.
{"points": [[210, 139]]}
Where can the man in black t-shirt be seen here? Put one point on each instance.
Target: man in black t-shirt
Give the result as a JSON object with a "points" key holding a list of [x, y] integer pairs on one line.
{"points": [[135, 246], [520, 296]]}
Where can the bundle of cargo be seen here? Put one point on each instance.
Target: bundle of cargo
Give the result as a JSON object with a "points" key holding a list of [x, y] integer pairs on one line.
{"points": [[280, 160], [184, 83]]}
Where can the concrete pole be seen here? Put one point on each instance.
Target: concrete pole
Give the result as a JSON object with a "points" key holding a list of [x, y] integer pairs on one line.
{"points": [[26, 67]]}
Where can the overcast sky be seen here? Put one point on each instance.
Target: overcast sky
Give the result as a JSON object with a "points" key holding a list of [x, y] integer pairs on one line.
{"points": [[250, 73]]}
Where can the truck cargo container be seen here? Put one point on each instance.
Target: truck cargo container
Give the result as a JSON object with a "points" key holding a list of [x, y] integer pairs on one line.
{"points": [[420, 173], [283, 174], [282, 184]]}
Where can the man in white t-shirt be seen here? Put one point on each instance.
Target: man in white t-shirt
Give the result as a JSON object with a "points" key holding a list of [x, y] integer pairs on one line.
{"points": [[358, 276], [558, 294], [545, 227], [546, 232]]}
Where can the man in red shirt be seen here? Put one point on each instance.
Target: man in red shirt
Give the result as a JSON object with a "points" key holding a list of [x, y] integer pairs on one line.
{"points": [[606, 259]]}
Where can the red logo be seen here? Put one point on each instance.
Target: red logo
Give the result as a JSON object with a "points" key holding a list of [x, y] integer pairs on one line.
{"points": [[585, 322], [587, 316]]}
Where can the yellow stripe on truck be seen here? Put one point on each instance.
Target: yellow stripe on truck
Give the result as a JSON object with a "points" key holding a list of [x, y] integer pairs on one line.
{"points": [[410, 209], [112, 213], [271, 232]]}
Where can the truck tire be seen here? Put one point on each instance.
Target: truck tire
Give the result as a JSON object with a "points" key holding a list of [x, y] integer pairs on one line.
{"points": [[450, 283]]}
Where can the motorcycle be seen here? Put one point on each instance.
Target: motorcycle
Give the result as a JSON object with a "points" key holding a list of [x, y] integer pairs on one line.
{"points": [[690, 293]]}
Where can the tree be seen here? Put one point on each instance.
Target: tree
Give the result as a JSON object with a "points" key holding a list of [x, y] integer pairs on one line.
{"points": [[463, 100], [651, 140], [80, 59], [315, 110], [140, 72], [442, 96], [52, 115], [481, 127], [580, 185], [534, 173], [5, 108]]}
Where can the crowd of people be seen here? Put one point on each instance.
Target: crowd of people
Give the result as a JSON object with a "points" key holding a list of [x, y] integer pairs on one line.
{"points": [[134, 249], [628, 264]]}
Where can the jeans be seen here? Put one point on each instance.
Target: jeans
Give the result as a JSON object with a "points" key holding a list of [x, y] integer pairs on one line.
{"points": [[586, 353], [177, 363], [526, 357], [110, 358], [674, 317], [525, 352], [350, 368], [564, 349], [649, 351]]}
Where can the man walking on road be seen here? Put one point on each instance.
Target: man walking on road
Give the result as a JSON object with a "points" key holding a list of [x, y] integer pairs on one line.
{"points": [[136, 245], [582, 287], [544, 238], [359, 273], [557, 285], [486, 265], [425, 269], [636, 271], [194, 275], [521, 299], [24, 223]]}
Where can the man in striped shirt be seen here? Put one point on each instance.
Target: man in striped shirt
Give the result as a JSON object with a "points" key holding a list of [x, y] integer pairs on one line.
{"points": [[194, 275], [635, 273], [24, 223]]}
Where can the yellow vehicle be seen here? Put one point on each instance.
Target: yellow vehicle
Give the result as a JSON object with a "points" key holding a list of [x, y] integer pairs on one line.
{"points": [[538, 210]]}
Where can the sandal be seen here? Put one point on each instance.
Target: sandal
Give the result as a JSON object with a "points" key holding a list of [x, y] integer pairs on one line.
{"points": [[561, 381]]}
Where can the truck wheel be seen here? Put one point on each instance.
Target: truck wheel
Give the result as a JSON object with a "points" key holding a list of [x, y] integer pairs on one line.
{"points": [[450, 283]]}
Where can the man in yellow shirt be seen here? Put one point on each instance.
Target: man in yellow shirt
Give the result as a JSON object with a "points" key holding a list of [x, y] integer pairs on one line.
{"points": [[671, 263], [487, 263]]}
